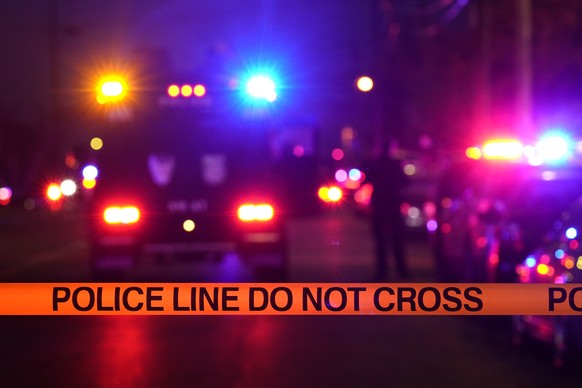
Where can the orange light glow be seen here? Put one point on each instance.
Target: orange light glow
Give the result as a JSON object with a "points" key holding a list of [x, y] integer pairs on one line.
{"points": [[199, 90], [111, 89], [173, 90], [543, 269], [96, 143], [322, 193], [121, 215], [473, 153], [330, 194], [89, 183], [186, 90]]}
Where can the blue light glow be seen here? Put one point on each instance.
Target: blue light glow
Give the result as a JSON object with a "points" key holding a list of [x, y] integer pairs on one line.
{"points": [[90, 172], [530, 262], [262, 87], [571, 233], [355, 174], [559, 254], [554, 147]]}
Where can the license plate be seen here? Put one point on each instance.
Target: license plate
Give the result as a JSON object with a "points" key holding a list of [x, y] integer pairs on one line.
{"points": [[187, 206]]}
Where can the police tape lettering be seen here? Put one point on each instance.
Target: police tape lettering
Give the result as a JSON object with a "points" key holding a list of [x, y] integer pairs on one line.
{"points": [[87, 299], [289, 299]]}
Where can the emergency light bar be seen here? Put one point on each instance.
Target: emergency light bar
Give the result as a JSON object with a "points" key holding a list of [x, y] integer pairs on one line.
{"points": [[503, 149], [186, 90], [552, 148]]}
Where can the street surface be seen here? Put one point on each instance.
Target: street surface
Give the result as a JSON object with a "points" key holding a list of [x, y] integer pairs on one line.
{"points": [[257, 351]]}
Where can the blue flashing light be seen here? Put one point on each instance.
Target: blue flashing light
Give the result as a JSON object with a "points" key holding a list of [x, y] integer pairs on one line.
{"points": [[262, 87], [530, 262], [560, 254], [90, 172], [554, 147], [571, 233], [355, 174]]}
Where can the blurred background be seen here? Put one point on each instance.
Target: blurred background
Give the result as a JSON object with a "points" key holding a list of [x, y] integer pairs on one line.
{"points": [[232, 141]]}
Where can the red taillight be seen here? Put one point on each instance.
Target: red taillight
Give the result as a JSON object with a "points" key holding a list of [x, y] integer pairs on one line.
{"points": [[53, 192], [121, 215], [330, 194], [249, 212]]}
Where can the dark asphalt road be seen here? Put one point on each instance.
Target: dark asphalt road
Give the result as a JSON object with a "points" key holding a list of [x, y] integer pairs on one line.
{"points": [[252, 351]]}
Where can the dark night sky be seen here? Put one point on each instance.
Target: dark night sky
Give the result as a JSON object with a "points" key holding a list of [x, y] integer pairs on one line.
{"points": [[324, 41], [92, 33]]}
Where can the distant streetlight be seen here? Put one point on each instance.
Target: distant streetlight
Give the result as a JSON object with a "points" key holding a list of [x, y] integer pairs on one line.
{"points": [[365, 83]]}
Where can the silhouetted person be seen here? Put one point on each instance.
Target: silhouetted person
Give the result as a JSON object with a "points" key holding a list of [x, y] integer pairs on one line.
{"points": [[388, 180]]}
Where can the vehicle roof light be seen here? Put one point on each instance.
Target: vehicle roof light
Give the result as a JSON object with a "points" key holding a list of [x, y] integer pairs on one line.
{"points": [[111, 89], [173, 90], [90, 172], [503, 149], [262, 87], [199, 90], [474, 153], [553, 147], [186, 90]]}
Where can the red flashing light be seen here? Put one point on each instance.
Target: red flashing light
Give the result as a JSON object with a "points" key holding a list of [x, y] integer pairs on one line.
{"points": [[250, 212], [121, 215]]}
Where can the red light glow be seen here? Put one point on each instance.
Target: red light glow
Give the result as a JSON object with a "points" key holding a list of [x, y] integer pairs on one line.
{"points": [[121, 215], [53, 192], [255, 212]]}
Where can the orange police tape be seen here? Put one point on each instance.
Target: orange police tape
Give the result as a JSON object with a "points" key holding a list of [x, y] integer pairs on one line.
{"points": [[289, 299]]}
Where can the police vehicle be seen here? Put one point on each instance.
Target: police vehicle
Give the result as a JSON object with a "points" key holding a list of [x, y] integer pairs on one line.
{"points": [[495, 204], [194, 169], [557, 259]]}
